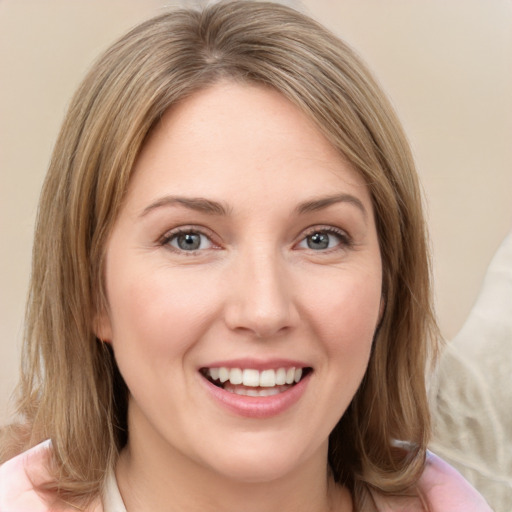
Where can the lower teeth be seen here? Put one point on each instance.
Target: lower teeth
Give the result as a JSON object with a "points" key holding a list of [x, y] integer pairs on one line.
{"points": [[248, 391]]}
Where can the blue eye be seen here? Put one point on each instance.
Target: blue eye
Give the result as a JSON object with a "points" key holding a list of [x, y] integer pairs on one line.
{"points": [[189, 241], [321, 240]]}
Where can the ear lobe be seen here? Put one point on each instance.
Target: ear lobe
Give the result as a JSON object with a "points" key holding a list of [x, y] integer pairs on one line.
{"points": [[102, 327]]}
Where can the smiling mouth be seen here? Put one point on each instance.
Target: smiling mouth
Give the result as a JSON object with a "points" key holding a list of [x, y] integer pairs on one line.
{"points": [[251, 382]]}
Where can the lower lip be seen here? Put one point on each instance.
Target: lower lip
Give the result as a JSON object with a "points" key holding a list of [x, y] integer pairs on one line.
{"points": [[258, 406]]}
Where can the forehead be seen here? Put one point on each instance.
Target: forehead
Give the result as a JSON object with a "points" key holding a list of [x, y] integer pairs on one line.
{"points": [[235, 137]]}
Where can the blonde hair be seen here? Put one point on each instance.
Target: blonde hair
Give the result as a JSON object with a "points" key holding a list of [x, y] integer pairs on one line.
{"points": [[70, 389]]}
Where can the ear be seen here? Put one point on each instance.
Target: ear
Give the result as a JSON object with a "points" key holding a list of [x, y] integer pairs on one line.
{"points": [[102, 327]]}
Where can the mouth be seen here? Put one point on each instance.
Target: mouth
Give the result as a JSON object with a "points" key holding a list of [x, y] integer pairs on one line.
{"points": [[256, 383]]}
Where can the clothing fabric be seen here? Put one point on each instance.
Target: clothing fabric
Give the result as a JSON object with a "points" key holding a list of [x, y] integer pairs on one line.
{"points": [[472, 393], [445, 489], [112, 500]]}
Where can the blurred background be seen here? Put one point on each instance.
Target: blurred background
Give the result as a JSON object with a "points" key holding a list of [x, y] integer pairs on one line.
{"points": [[447, 67]]}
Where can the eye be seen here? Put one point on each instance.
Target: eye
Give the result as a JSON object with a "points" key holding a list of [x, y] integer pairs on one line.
{"points": [[188, 241], [324, 239]]}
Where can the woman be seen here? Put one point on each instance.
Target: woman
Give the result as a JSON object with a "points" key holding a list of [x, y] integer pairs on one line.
{"points": [[230, 304]]}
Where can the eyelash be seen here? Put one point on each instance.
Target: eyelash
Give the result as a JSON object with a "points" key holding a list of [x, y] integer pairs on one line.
{"points": [[345, 241], [189, 230]]}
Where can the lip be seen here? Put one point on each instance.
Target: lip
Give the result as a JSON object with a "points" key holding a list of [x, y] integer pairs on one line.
{"points": [[257, 364], [259, 407]]}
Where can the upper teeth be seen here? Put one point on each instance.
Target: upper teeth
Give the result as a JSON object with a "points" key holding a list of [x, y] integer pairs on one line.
{"points": [[256, 378]]}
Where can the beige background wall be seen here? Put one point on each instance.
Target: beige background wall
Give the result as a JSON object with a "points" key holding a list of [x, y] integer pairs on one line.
{"points": [[446, 65]]}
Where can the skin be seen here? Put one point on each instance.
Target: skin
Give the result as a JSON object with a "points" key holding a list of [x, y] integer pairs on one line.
{"points": [[254, 289]]}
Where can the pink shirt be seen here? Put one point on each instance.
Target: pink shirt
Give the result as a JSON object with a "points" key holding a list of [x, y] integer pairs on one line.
{"points": [[445, 489]]}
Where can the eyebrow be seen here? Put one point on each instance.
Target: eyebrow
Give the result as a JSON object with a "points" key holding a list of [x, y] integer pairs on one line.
{"points": [[198, 204], [324, 202], [208, 206]]}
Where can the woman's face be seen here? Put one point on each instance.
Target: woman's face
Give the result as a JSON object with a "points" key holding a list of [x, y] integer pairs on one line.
{"points": [[246, 250]]}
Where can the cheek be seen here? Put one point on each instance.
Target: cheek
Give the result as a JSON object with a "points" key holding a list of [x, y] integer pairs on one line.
{"points": [[346, 314], [158, 312], [157, 317], [344, 318]]}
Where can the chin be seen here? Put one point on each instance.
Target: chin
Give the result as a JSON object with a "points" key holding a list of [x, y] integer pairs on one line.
{"points": [[263, 462], [257, 471]]}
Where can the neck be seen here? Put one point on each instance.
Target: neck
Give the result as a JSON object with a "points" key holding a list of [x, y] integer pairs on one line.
{"points": [[153, 477]]}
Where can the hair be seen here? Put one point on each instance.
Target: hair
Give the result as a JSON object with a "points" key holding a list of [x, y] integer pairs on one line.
{"points": [[70, 389]]}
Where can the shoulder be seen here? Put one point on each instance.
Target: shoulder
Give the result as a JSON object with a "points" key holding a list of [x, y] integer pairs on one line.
{"points": [[447, 491], [18, 478]]}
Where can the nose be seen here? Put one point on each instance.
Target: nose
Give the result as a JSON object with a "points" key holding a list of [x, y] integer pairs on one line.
{"points": [[261, 297]]}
